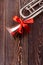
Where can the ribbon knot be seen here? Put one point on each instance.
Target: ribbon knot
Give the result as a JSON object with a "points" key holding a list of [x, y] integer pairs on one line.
{"points": [[23, 24]]}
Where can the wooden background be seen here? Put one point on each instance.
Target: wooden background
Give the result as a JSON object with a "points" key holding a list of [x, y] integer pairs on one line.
{"points": [[32, 43]]}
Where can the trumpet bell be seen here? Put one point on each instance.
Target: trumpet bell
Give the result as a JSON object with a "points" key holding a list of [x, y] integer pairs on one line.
{"points": [[13, 29], [32, 9]]}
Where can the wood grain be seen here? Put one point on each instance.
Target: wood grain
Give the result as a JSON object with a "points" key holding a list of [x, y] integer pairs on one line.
{"points": [[32, 43]]}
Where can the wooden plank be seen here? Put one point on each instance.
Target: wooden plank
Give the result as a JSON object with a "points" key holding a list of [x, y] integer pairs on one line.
{"points": [[30, 42], [11, 44], [35, 39], [2, 38], [24, 40]]}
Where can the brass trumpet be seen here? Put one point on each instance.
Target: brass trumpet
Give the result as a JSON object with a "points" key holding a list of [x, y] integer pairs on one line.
{"points": [[33, 8]]}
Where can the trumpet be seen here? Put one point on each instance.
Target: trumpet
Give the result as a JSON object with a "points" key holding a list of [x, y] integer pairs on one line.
{"points": [[32, 9]]}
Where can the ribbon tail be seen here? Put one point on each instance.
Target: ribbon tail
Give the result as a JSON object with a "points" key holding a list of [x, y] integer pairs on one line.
{"points": [[26, 27], [29, 21], [20, 30]]}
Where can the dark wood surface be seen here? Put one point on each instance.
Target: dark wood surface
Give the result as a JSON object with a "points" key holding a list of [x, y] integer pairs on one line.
{"points": [[32, 43]]}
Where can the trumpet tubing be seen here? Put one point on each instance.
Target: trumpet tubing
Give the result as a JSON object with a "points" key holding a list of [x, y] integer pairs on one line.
{"points": [[33, 8]]}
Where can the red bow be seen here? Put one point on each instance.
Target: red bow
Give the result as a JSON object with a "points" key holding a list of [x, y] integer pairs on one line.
{"points": [[23, 24]]}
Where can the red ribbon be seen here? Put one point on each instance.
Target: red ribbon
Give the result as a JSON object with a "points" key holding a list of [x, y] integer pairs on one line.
{"points": [[23, 24]]}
